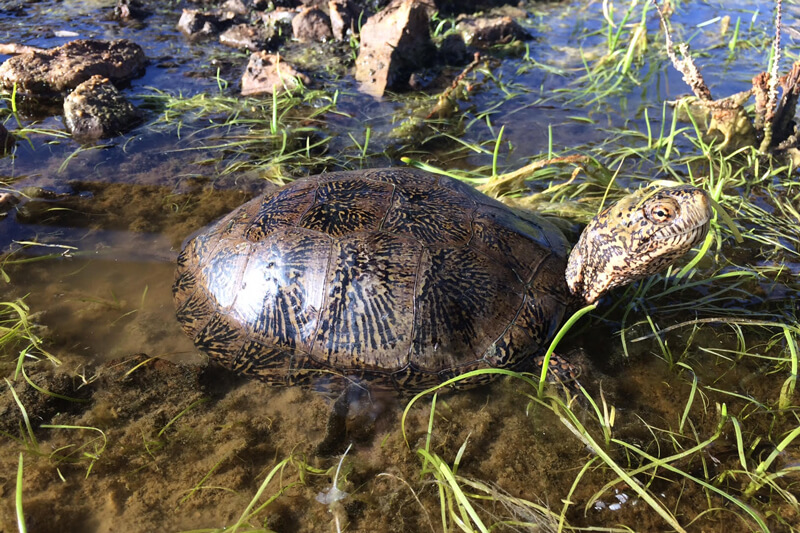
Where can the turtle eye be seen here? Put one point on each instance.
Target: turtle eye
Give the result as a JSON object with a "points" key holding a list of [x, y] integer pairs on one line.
{"points": [[661, 212]]}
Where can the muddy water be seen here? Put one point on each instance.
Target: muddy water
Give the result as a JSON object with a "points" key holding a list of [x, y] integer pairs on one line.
{"points": [[160, 441]]}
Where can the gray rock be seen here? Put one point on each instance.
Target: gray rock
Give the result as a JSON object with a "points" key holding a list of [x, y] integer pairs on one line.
{"points": [[96, 110], [250, 37], [394, 43], [54, 71]]}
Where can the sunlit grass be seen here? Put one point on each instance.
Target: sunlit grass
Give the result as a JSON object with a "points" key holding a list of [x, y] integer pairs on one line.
{"points": [[238, 134], [727, 311]]}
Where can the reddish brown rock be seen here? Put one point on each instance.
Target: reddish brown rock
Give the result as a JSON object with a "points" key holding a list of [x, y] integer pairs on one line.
{"points": [[486, 31], [268, 73], [394, 43], [312, 24], [57, 70], [344, 17]]}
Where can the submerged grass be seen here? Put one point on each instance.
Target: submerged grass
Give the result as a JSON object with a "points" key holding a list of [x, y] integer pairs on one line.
{"points": [[728, 445], [249, 133]]}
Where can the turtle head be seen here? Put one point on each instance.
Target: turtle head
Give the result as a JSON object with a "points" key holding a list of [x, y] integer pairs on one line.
{"points": [[638, 236]]}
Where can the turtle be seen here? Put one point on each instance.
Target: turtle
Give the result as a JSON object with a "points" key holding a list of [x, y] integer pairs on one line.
{"points": [[405, 279]]}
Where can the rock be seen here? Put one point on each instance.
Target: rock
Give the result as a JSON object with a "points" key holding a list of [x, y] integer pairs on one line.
{"points": [[12, 49], [453, 50], [129, 10], [268, 73], [237, 7], [394, 43], [95, 110], [7, 141], [483, 32], [279, 20], [7, 200], [466, 6], [56, 70], [194, 23], [312, 24], [250, 37], [344, 16]]}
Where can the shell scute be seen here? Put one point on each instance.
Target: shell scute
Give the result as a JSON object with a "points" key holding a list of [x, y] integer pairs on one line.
{"points": [[369, 298], [463, 303], [344, 206], [431, 214], [222, 272], [521, 244], [279, 210], [281, 289], [221, 338]]}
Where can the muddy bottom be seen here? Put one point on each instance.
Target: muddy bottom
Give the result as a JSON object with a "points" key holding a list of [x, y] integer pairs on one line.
{"points": [[146, 444], [157, 446]]}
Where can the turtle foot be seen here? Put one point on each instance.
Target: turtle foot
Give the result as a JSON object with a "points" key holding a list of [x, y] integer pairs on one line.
{"points": [[561, 372], [350, 408]]}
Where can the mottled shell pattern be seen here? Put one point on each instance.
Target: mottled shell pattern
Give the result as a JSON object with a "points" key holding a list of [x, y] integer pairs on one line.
{"points": [[396, 276]]}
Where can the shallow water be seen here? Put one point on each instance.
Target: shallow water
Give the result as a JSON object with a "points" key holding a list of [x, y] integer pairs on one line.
{"points": [[169, 443]]}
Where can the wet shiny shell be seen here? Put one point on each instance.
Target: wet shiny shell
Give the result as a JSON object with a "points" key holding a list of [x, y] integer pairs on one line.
{"points": [[396, 276]]}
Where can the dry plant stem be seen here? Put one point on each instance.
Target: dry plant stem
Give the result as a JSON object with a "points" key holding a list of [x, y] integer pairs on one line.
{"points": [[691, 75], [788, 106], [772, 83], [515, 181], [443, 102], [761, 91]]}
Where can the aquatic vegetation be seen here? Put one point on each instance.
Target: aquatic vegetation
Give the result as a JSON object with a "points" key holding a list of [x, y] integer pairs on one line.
{"points": [[248, 133], [688, 415]]}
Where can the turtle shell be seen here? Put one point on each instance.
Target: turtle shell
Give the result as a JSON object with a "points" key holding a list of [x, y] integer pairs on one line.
{"points": [[396, 276]]}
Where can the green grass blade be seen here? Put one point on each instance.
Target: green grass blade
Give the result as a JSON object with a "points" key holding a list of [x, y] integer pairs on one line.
{"points": [[18, 499]]}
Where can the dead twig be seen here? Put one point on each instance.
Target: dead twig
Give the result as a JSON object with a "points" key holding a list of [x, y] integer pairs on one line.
{"points": [[686, 66], [515, 181], [772, 84], [446, 102]]}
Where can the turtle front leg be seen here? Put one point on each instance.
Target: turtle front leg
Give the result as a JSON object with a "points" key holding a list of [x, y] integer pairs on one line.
{"points": [[336, 428], [354, 406], [560, 371]]}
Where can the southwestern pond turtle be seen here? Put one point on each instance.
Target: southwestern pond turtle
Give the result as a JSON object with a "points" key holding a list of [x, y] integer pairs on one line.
{"points": [[407, 279]]}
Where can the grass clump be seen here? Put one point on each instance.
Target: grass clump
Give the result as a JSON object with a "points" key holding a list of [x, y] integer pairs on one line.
{"points": [[238, 134]]}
